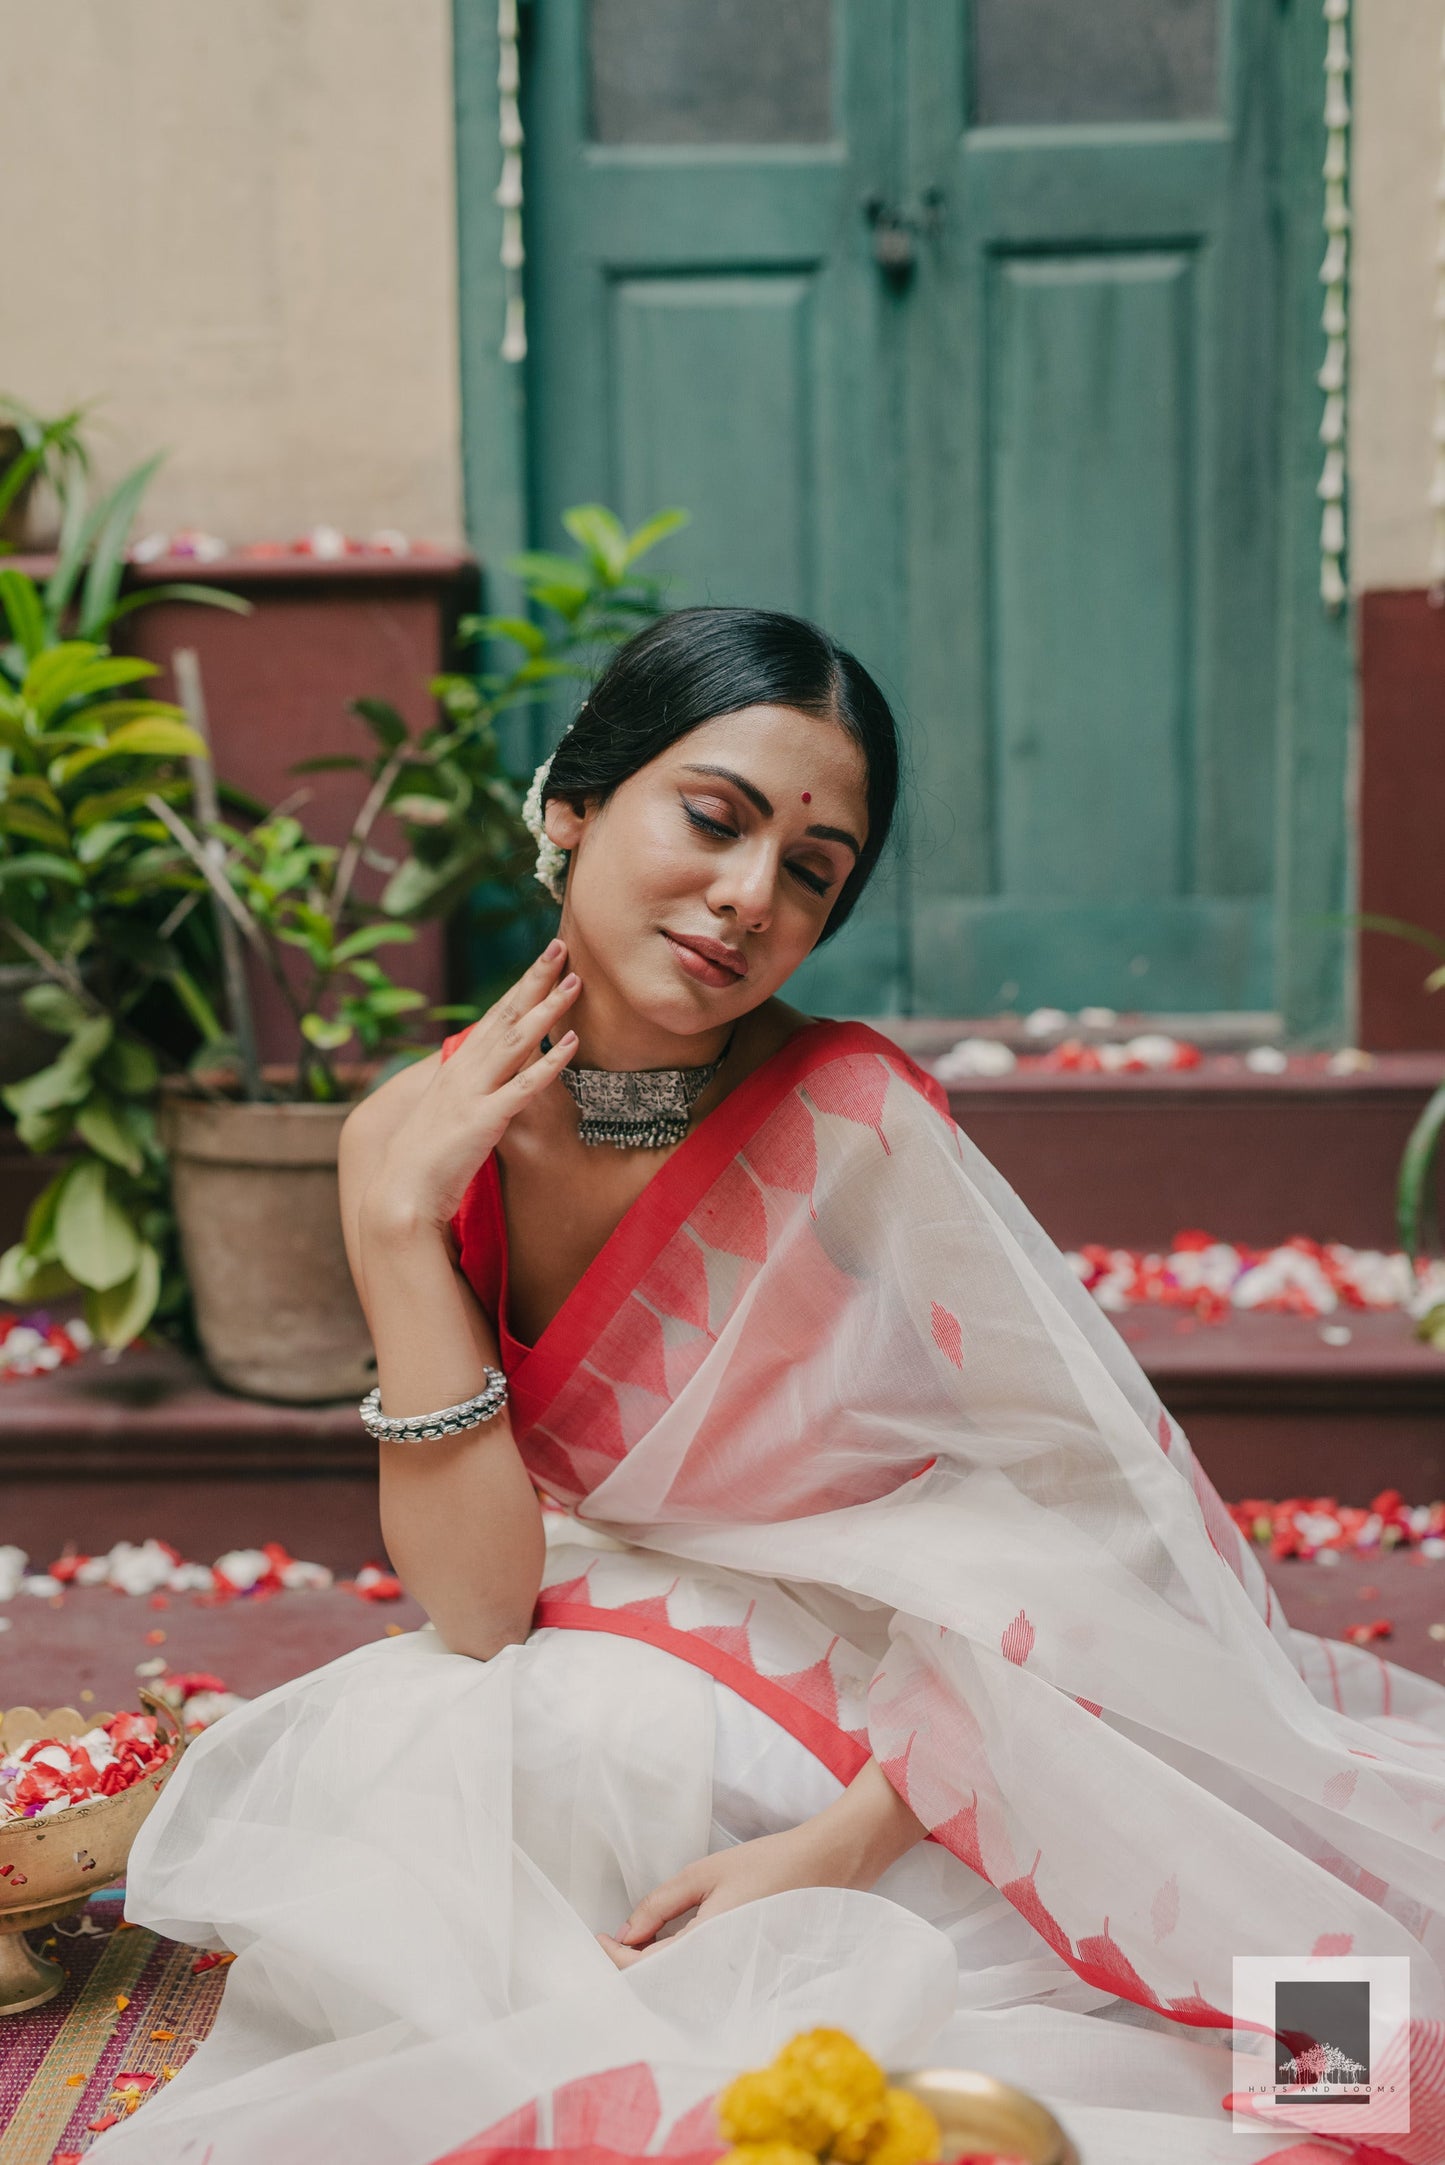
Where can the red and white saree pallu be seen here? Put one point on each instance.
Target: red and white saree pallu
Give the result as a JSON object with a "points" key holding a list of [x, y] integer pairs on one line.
{"points": [[849, 1465]]}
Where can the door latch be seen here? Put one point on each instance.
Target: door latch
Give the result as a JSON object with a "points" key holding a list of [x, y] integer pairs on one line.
{"points": [[896, 231]]}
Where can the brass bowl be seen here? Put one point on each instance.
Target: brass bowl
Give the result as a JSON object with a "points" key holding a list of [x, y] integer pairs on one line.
{"points": [[54, 1863], [976, 2112]]}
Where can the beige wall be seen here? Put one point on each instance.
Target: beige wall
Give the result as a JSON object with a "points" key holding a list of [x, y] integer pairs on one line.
{"points": [[234, 221], [1398, 144]]}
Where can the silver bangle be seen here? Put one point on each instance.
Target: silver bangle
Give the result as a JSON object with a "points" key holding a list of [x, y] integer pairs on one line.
{"points": [[423, 1427]]}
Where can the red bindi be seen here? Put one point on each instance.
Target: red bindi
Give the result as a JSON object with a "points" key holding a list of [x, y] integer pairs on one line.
{"points": [[807, 796]]}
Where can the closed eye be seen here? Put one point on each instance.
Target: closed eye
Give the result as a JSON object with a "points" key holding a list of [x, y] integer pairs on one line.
{"points": [[814, 883]]}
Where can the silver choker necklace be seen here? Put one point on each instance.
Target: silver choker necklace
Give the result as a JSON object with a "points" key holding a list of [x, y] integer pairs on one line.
{"points": [[638, 1108]]}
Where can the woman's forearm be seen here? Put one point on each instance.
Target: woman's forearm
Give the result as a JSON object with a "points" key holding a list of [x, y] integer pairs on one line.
{"points": [[462, 1522], [866, 1829]]}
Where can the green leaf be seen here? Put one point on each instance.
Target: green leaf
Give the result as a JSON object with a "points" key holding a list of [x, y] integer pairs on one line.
{"points": [[382, 719], [371, 936], [40, 1220], [331, 763], [519, 628], [43, 1132], [41, 864], [52, 676], [97, 1125], [158, 738], [62, 1083], [118, 1314], [107, 563], [328, 1035], [24, 1278], [94, 1237], [34, 825], [653, 530], [603, 536], [97, 842], [1417, 1164], [392, 1000], [128, 1067], [213, 597], [1435, 982], [92, 810], [55, 1009], [1370, 921], [20, 599]]}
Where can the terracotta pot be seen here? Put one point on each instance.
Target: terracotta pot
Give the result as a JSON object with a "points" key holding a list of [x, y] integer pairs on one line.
{"points": [[260, 1224]]}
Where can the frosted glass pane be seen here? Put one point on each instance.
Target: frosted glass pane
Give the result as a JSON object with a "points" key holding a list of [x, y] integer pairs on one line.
{"points": [[710, 71], [1063, 60]]}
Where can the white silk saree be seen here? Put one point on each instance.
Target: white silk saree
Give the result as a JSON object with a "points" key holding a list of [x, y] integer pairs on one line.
{"points": [[844, 1463]]}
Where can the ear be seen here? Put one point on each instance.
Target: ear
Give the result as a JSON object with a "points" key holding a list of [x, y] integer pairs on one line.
{"points": [[563, 821]]}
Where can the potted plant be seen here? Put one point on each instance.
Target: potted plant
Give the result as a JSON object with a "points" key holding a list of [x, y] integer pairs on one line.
{"points": [[80, 601], [254, 1171], [97, 948], [246, 1158]]}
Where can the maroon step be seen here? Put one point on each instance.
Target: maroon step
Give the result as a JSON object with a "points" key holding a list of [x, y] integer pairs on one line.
{"points": [[1271, 1406], [1131, 1159]]}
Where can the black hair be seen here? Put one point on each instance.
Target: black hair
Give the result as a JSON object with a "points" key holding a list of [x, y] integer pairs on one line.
{"points": [[696, 664]]}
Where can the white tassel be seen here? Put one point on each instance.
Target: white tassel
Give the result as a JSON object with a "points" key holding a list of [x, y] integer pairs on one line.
{"points": [[514, 334], [1332, 530], [1332, 584], [1332, 422], [1332, 270], [509, 187], [1332, 376], [1332, 479]]}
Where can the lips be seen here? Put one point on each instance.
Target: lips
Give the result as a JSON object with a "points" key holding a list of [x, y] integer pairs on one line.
{"points": [[715, 951]]}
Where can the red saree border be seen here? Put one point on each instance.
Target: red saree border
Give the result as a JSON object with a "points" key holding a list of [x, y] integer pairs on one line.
{"points": [[679, 1185], [840, 1753]]}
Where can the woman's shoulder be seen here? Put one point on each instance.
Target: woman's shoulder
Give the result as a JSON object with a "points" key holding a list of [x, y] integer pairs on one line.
{"points": [[813, 1043]]}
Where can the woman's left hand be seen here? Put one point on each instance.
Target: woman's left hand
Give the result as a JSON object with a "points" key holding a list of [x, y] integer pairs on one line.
{"points": [[850, 1843], [770, 1864]]}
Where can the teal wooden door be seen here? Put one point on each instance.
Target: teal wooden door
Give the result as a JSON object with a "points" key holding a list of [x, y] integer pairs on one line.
{"points": [[954, 324], [1093, 392]]}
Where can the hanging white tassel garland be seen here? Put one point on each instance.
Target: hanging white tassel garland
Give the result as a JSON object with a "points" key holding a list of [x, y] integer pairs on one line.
{"points": [[1333, 378], [508, 192]]}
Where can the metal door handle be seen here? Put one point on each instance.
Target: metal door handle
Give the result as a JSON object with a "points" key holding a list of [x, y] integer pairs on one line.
{"points": [[896, 231]]}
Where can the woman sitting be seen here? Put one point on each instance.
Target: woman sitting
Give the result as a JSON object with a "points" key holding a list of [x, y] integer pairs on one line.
{"points": [[875, 1654]]}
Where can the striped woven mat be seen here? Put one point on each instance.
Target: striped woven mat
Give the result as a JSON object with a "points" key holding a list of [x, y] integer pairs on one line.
{"points": [[133, 2004]]}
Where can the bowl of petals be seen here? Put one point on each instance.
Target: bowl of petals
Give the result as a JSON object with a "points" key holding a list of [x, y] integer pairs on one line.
{"points": [[74, 1789], [825, 2101]]}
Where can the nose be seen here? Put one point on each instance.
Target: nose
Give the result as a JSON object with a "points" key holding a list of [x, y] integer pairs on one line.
{"points": [[744, 888]]}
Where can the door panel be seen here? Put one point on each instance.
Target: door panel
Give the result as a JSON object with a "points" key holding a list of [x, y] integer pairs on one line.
{"points": [[681, 346], [1091, 491], [1093, 463]]}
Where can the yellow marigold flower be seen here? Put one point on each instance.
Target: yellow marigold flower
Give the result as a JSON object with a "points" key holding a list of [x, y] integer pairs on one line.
{"points": [[767, 2153], [848, 2088], [774, 2105], [909, 2134]]}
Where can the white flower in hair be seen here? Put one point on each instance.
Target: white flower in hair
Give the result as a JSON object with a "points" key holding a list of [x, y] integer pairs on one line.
{"points": [[551, 869]]}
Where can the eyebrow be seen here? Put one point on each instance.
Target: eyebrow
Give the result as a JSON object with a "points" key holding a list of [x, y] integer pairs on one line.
{"points": [[755, 797]]}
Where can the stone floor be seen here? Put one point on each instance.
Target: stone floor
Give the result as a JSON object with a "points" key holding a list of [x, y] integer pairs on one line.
{"points": [[91, 1639]]}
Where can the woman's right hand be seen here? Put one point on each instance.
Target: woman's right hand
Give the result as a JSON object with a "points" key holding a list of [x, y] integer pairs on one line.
{"points": [[472, 1097]]}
